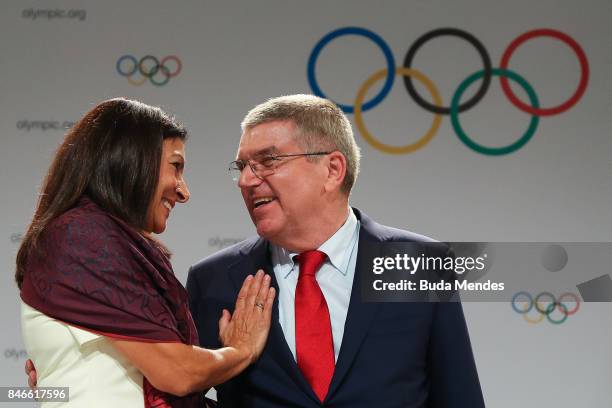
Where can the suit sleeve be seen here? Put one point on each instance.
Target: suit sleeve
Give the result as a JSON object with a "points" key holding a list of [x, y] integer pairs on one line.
{"points": [[452, 370], [194, 300], [206, 304], [453, 377], [205, 318]]}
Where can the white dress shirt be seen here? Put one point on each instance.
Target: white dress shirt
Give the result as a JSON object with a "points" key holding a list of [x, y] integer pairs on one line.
{"points": [[335, 277]]}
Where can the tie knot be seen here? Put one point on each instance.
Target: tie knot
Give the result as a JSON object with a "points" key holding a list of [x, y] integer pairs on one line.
{"points": [[310, 261]]}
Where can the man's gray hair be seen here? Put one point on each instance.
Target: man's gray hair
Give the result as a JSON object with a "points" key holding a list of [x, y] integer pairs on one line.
{"points": [[321, 124]]}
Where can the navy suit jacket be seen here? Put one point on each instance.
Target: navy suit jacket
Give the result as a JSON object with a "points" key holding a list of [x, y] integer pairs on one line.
{"points": [[392, 354]]}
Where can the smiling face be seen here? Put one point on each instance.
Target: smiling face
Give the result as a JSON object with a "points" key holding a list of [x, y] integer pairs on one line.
{"points": [[171, 187], [287, 204]]}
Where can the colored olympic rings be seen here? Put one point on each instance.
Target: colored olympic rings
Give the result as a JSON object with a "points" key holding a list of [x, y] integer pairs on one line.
{"points": [[409, 73], [484, 55], [493, 151], [584, 72], [385, 147], [545, 304], [312, 62], [148, 67]]}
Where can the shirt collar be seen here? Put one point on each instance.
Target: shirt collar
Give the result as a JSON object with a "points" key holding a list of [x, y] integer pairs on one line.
{"points": [[337, 247]]}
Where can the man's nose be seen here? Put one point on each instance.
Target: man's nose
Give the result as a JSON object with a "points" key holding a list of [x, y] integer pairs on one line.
{"points": [[248, 178]]}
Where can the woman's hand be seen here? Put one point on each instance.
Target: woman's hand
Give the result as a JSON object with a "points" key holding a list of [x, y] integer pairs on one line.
{"points": [[30, 370], [247, 328]]}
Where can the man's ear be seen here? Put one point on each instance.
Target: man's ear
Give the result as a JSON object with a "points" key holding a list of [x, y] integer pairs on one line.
{"points": [[336, 170]]}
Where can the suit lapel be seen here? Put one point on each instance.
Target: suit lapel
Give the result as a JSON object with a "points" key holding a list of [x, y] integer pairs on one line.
{"points": [[360, 314], [253, 259]]}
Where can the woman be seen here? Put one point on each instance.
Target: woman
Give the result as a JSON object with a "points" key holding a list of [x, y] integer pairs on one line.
{"points": [[102, 312]]}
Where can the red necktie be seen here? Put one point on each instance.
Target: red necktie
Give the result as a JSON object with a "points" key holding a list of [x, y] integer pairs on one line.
{"points": [[314, 344]]}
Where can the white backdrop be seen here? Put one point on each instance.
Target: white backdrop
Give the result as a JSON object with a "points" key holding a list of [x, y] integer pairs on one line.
{"points": [[59, 59]]}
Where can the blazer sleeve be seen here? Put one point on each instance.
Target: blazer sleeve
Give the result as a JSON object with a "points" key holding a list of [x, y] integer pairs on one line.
{"points": [[207, 298], [206, 319], [453, 377]]}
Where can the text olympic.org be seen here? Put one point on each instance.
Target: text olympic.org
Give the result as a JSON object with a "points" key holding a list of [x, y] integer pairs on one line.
{"points": [[44, 125], [52, 14]]}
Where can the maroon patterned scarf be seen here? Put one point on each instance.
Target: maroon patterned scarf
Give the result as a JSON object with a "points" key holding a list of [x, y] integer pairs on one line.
{"points": [[93, 271]]}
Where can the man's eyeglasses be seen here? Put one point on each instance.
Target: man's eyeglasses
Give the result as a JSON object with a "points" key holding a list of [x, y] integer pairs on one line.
{"points": [[264, 166]]}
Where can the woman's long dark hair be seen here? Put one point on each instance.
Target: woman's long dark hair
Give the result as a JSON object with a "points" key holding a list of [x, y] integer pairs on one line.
{"points": [[112, 155]]}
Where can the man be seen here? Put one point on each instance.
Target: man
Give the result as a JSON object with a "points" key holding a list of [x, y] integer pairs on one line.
{"points": [[296, 164]]}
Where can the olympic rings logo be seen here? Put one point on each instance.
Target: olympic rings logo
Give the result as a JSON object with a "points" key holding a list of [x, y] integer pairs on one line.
{"points": [[456, 105], [545, 304], [148, 67]]}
